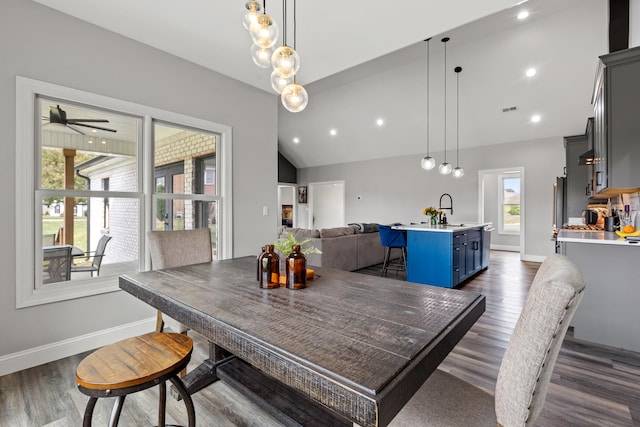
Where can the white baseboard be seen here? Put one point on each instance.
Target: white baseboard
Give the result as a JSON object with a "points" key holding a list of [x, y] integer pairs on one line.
{"points": [[48, 353], [533, 258], [506, 248]]}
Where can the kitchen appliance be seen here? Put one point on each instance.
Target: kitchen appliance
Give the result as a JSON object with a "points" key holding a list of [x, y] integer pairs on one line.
{"points": [[486, 245], [611, 223], [590, 216]]}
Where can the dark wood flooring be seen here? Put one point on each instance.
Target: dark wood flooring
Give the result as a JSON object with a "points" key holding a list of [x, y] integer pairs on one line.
{"points": [[592, 385]]}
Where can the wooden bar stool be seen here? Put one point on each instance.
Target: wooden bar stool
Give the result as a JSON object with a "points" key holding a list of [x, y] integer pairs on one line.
{"points": [[132, 365]]}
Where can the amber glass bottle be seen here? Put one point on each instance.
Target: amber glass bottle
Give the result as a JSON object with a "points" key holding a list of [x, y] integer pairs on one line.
{"points": [[259, 258], [270, 269], [296, 269]]}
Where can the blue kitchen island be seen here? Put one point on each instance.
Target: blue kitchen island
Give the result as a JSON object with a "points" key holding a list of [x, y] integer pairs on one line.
{"points": [[446, 255]]}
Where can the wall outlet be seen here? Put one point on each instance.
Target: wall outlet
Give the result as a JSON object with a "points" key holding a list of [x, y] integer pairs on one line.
{"points": [[265, 211]]}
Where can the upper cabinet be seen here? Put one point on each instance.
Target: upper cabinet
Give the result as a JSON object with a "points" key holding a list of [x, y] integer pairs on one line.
{"points": [[616, 142]]}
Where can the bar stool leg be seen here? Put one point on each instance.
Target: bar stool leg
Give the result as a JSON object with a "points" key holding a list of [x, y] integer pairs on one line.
{"points": [[191, 412], [162, 404], [385, 264], [116, 411], [88, 412]]}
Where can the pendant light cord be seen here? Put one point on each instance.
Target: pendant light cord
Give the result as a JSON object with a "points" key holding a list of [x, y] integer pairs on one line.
{"points": [[457, 114], [284, 22], [445, 40], [295, 26], [428, 93]]}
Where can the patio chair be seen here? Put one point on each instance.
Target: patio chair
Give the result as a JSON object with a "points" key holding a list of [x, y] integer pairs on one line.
{"points": [[177, 248], [97, 256], [56, 263], [527, 364]]}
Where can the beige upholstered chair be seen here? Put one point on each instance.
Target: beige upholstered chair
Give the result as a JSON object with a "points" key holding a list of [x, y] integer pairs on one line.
{"points": [[174, 249], [526, 368]]}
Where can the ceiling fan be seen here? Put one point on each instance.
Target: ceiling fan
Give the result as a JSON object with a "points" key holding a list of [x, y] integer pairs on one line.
{"points": [[58, 115]]}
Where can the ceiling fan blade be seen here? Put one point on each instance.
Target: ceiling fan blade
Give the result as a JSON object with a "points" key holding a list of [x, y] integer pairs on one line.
{"points": [[88, 120], [95, 127], [75, 129]]}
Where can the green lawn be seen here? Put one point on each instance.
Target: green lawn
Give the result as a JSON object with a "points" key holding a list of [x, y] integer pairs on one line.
{"points": [[52, 225]]}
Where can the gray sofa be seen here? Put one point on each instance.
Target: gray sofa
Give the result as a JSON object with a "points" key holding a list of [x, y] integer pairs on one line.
{"points": [[344, 248]]}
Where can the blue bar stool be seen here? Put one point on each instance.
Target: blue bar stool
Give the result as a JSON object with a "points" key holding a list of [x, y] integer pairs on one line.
{"points": [[390, 239]]}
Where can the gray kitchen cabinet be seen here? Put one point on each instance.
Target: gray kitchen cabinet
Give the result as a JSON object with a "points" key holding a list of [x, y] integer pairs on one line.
{"points": [[577, 188], [617, 122]]}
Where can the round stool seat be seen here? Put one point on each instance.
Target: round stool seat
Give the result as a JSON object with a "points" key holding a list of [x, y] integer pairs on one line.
{"points": [[134, 361], [132, 365]]}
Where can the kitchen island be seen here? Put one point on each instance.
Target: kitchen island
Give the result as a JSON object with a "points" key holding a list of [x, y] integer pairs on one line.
{"points": [[445, 255], [608, 313]]}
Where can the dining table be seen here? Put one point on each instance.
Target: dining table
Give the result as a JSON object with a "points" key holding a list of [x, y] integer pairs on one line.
{"points": [[350, 348]]}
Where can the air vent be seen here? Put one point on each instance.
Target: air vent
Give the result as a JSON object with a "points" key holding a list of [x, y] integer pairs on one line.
{"points": [[507, 109]]}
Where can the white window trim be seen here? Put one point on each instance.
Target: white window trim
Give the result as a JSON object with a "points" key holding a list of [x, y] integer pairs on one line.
{"points": [[501, 229], [26, 92]]}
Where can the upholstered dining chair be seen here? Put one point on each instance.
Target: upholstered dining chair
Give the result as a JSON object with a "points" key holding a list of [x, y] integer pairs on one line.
{"points": [[175, 249], [527, 364]]}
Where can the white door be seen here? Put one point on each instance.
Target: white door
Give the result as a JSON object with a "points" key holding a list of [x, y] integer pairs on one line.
{"points": [[326, 204]]}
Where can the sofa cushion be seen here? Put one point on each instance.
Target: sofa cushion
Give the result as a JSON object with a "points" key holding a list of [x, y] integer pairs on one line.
{"points": [[303, 233], [336, 232]]}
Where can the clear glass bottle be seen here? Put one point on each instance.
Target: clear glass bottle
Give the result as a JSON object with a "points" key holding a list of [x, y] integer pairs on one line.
{"points": [[296, 269], [270, 269]]}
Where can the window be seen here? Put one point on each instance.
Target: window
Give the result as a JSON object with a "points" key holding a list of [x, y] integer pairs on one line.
{"points": [[88, 177], [509, 210]]}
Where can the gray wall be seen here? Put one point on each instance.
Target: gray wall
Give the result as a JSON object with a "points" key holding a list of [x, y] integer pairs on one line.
{"points": [[397, 189], [46, 45]]}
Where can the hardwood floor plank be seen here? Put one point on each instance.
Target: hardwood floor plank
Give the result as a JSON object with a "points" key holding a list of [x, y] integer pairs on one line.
{"points": [[591, 385]]}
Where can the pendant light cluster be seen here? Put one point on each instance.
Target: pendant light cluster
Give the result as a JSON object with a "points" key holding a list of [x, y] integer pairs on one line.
{"points": [[428, 162], [284, 61]]}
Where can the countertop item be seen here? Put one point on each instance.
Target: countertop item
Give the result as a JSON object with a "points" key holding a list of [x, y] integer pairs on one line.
{"points": [[449, 228], [591, 236]]}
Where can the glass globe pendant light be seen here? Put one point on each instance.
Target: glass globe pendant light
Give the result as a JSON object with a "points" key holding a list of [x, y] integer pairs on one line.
{"points": [[251, 13], [445, 168], [458, 172], [261, 56], [278, 83], [427, 163], [264, 31], [294, 97], [285, 61]]}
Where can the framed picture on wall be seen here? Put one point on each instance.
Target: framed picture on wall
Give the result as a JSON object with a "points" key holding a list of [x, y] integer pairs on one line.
{"points": [[302, 194]]}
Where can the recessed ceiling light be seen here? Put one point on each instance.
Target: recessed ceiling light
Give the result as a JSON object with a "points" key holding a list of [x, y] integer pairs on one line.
{"points": [[523, 15], [103, 141], [380, 122], [535, 118], [531, 72], [333, 132], [296, 140], [93, 130], [90, 141]]}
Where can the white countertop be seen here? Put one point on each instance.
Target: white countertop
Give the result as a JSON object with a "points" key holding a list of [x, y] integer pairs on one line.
{"points": [[450, 228], [598, 237]]}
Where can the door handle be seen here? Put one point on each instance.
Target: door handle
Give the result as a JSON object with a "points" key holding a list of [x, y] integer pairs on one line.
{"points": [[598, 180], [475, 246]]}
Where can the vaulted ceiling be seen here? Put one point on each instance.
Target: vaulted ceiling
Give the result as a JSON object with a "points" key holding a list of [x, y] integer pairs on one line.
{"points": [[363, 61]]}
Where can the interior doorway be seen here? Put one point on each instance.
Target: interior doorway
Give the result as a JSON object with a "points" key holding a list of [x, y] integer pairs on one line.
{"points": [[326, 204], [501, 194], [287, 205]]}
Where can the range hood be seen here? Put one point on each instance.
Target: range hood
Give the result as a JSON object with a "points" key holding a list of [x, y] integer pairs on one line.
{"points": [[586, 158]]}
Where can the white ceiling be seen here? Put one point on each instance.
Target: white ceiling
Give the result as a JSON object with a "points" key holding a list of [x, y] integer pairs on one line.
{"points": [[363, 60]]}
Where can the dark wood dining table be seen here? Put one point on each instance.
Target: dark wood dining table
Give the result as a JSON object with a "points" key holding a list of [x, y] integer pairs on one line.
{"points": [[349, 348]]}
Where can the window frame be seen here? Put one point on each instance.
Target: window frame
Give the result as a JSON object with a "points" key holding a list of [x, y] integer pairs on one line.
{"points": [[501, 204], [27, 198]]}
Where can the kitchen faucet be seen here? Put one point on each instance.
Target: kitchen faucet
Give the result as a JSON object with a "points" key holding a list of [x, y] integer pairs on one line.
{"points": [[450, 208]]}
